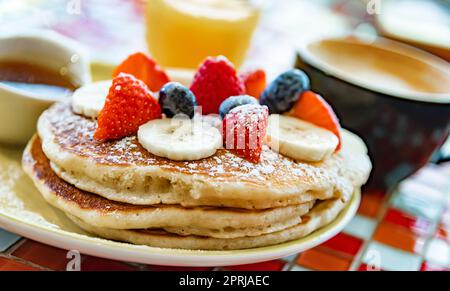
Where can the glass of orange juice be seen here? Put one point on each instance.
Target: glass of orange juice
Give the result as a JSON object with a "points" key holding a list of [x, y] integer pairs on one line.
{"points": [[181, 33]]}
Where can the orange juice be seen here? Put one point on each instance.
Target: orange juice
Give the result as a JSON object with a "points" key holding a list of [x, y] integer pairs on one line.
{"points": [[181, 33]]}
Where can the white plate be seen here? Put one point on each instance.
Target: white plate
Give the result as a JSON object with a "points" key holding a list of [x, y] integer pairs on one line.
{"points": [[24, 211]]}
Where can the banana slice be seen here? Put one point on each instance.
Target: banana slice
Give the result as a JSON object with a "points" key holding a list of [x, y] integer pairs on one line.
{"points": [[90, 99], [180, 139], [300, 140]]}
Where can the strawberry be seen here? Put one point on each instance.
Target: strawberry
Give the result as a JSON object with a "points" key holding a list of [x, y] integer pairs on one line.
{"points": [[313, 108], [254, 82], [244, 129], [215, 81], [129, 104], [144, 68]]}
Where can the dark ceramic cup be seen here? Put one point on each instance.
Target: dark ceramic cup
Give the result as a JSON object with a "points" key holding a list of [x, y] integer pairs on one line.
{"points": [[397, 98]]}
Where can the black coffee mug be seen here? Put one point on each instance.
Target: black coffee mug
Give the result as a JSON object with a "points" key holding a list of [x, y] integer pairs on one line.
{"points": [[402, 129]]}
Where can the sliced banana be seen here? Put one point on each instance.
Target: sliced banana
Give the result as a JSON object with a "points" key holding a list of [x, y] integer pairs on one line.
{"points": [[180, 139], [300, 140], [90, 99]]}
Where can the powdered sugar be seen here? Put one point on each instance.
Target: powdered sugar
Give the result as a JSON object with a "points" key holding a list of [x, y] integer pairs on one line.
{"points": [[74, 133]]}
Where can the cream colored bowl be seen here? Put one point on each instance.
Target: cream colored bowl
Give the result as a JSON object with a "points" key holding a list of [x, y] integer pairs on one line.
{"points": [[19, 109]]}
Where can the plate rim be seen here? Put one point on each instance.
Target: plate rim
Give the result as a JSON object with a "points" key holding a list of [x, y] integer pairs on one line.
{"points": [[104, 248]]}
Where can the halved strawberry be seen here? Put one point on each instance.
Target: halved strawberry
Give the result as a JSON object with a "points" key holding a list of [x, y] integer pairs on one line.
{"points": [[144, 68], [244, 129], [313, 108], [254, 81], [129, 104]]}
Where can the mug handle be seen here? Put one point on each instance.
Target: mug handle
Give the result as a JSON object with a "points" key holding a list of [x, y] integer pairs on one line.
{"points": [[443, 154]]}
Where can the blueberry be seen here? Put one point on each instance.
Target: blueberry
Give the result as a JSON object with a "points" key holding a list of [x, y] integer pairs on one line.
{"points": [[281, 95], [175, 98], [235, 101]]}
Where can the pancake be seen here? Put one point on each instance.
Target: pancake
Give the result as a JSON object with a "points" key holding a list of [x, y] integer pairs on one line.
{"points": [[124, 171], [205, 221], [321, 214]]}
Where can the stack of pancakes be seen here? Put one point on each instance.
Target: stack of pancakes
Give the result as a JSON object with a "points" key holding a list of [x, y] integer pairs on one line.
{"points": [[120, 191]]}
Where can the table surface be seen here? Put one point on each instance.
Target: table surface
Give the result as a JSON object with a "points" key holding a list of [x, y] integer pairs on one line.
{"points": [[408, 229]]}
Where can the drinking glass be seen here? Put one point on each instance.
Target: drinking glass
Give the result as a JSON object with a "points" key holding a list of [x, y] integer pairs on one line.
{"points": [[182, 33]]}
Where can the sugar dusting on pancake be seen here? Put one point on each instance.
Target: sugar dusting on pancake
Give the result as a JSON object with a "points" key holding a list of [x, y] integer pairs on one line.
{"points": [[74, 133], [124, 171]]}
